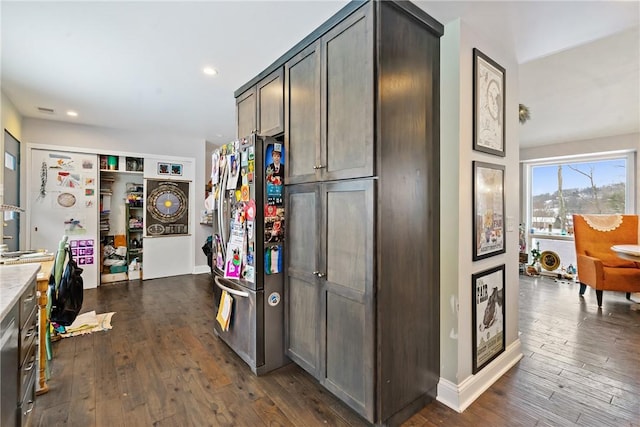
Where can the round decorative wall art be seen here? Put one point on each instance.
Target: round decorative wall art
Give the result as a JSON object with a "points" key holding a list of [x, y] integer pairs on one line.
{"points": [[66, 200], [549, 260], [167, 203]]}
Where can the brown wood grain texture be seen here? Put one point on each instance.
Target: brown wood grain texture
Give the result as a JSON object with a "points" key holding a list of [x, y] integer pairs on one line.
{"points": [[179, 373]]}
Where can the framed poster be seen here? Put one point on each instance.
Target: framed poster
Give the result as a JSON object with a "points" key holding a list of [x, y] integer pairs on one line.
{"points": [[488, 316], [488, 210], [488, 105]]}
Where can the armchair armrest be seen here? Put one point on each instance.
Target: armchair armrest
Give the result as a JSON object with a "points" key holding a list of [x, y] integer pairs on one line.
{"points": [[590, 271]]}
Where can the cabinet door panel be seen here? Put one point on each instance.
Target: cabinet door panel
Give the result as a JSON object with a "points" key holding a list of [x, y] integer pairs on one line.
{"points": [[303, 228], [246, 105], [303, 324], [302, 291], [270, 104], [346, 239], [346, 374], [348, 289], [302, 115], [348, 73]]}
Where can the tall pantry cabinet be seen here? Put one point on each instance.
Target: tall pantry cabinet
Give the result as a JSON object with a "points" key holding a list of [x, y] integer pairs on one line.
{"points": [[361, 131]]}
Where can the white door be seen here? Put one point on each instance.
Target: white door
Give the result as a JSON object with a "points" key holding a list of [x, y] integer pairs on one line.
{"points": [[63, 201]]}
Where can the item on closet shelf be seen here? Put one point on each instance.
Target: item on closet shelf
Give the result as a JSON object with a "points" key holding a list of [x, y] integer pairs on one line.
{"points": [[119, 240], [112, 163]]}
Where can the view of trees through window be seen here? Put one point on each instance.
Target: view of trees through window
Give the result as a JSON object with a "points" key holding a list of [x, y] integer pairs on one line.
{"points": [[560, 190]]}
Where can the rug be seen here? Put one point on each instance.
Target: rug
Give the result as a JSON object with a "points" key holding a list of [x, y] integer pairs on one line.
{"points": [[87, 323]]}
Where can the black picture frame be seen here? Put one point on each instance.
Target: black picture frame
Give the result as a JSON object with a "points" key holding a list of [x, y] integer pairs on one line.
{"points": [[488, 210], [488, 318], [489, 102]]}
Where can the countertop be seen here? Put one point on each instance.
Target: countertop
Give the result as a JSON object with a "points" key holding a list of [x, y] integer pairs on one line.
{"points": [[14, 280]]}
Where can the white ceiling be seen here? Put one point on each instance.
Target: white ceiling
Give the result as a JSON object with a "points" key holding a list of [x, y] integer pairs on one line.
{"points": [[137, 65]]}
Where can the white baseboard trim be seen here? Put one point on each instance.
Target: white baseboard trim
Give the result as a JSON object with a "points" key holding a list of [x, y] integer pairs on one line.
{"points": [[459, 396], [201, 269]]}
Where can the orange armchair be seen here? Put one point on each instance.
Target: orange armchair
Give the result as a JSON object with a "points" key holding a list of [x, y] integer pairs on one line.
{"points": [[598, 266]]}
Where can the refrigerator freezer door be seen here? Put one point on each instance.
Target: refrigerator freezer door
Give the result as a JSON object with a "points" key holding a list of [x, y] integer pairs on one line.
{"points": [[246, 334]]}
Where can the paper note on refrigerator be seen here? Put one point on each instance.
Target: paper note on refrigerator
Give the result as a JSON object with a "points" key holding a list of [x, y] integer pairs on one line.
{"points": [[235, 251], [224, 310]]}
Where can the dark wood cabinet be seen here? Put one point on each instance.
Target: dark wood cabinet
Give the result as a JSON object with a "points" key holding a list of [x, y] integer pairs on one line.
{"points": [[329, 104], [361, 129], [302, 115], [246, 105], [348, 96], [270, 112], [260, 108], [303, 290], [330, 327], [19, 344]]}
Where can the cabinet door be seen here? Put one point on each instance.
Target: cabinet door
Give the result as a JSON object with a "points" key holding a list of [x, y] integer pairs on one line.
{"points": [[302, 337], [347, 293], [270, 104], [246, 105], [347, 98], [302, 115]]}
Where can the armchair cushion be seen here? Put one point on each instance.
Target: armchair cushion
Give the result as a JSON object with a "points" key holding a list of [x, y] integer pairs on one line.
{"points": [[610, 259]]}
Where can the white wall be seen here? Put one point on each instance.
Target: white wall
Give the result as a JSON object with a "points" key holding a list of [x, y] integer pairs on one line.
{"points": [[61, 134], [586, 146], [11, 119], [458, 387]]}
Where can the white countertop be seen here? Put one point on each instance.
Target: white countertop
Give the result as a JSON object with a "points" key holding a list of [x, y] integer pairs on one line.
{"points": [[14, 280]]}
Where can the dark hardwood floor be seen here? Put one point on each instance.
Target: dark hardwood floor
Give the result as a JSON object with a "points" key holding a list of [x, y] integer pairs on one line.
{"points": [[161, 365]]}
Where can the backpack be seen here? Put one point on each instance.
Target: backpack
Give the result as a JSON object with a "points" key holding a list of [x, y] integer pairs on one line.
{"points": [[66, 298]]}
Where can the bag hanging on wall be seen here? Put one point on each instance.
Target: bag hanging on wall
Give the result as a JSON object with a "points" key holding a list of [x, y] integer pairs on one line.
{"points": [[67, 296]]}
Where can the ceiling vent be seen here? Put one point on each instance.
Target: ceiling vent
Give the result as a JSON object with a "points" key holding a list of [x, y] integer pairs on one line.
{"points": [[46, 110]]}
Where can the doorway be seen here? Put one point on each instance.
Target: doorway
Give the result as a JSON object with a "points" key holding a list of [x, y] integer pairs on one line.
{"points": [[11, 220]]}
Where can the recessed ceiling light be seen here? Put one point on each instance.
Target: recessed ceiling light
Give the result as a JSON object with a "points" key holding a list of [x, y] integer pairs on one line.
{"points": [[210, 71], [71, 113]]}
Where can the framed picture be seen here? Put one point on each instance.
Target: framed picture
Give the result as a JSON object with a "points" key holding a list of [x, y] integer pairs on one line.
{"points": [[176, 169], [488, 210], [163, 169], [488, 316], [488, 105]]}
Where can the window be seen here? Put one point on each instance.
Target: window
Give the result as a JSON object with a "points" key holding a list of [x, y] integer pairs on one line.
{"points": [[558, 188]]}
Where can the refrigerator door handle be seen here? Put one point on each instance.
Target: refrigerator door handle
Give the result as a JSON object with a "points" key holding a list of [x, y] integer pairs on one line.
{"points": [[231, 291], [221, 212]]}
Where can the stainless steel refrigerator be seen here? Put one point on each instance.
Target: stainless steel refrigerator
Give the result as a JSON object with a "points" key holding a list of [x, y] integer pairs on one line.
{"points": [[248, 249]]}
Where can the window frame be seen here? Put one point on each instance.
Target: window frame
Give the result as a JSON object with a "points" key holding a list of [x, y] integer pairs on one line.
{"points": [[630, 188]]}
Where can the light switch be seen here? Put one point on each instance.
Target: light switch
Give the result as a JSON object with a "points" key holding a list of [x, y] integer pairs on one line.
{"points": [[510, 224]]}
